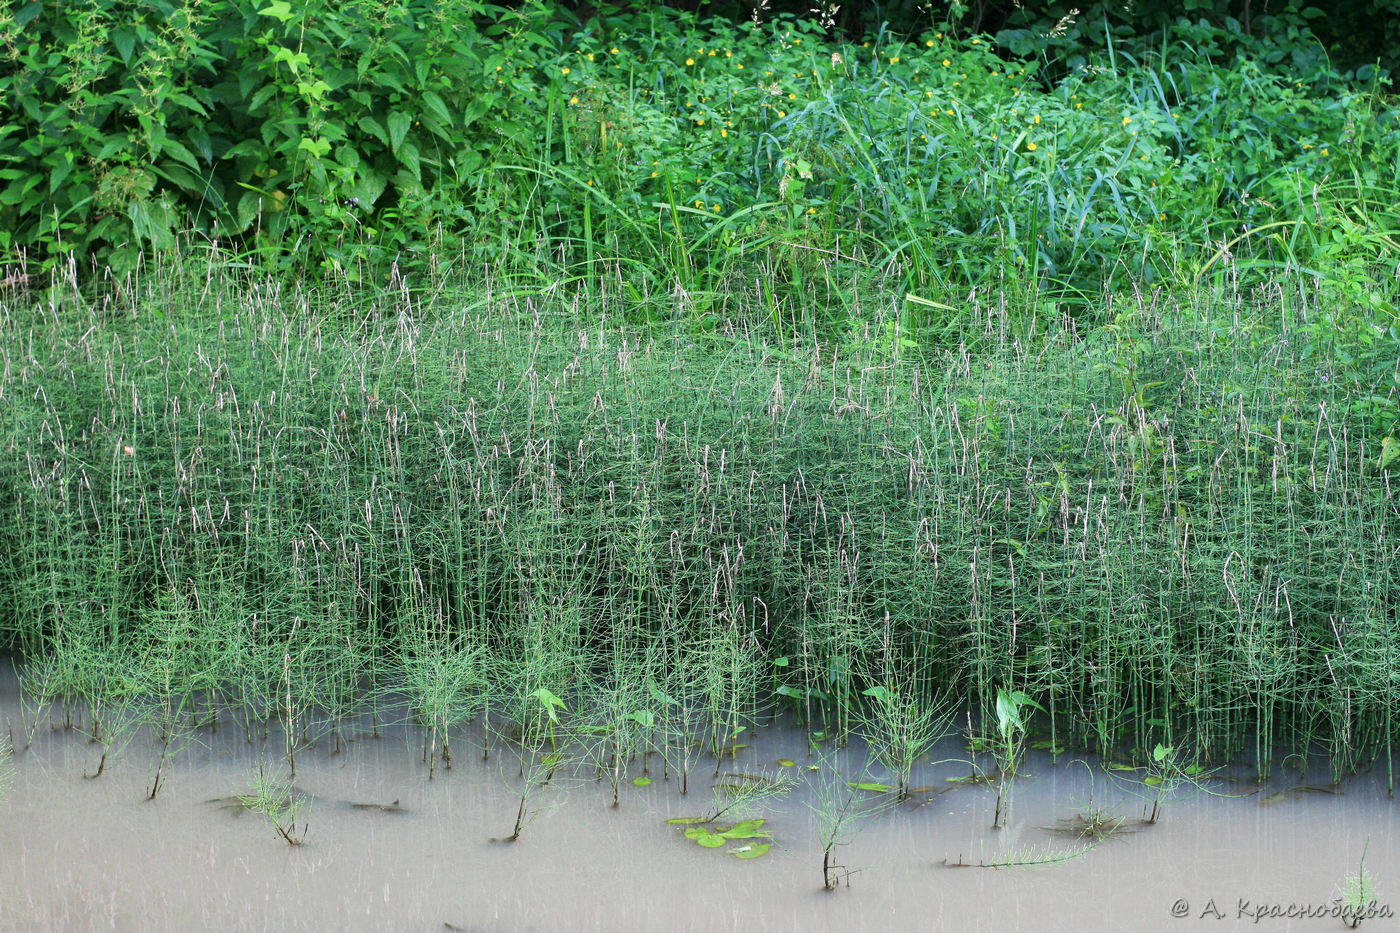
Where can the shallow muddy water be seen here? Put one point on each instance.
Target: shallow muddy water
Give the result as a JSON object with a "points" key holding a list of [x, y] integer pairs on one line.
{"points": [[388, 849]]}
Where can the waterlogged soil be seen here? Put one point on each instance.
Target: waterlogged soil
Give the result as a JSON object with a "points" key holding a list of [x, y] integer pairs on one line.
{"points": [[388, 849]]}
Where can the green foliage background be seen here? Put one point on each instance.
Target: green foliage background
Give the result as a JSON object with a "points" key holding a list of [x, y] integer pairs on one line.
{"points": [[666, 152]]}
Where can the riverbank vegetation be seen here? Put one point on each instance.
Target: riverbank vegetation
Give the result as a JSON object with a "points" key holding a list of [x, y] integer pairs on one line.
{"points": [[621, 381]]}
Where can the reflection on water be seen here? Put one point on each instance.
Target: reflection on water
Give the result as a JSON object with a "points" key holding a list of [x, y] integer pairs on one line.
{"points": [[387, 849]]}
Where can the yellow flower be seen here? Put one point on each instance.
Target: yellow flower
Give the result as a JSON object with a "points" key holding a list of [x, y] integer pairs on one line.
{"points": [[699, 121], [949, 112], [714, 207], [739, 65], [690, 61], [563, 71], [783, 113], [654, 174], [1127, 120], [1035, 119], [1031, 147], [590, 56], [724, 133], [929, 43], [894, 60], [711, 53], [613, 50], [1326, 152], [699, 203], [574, 99], [947, 62]]}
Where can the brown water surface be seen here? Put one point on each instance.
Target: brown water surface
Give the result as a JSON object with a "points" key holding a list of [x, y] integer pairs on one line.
{"points": [[388, 849]]}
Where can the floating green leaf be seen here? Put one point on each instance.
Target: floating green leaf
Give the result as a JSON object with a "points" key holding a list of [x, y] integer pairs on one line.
{"points": [[748, 829], [786, 762], [871, 786], [641, 781], [752, 851]]}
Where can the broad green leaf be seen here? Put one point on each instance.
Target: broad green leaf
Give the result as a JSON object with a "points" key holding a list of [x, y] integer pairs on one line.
{"points": [[280, 10], [641, 781], [125, 42], [1390, 449], [399, 123], [786, 762], [710, 840], [438, 107], [317, 147], [879, 693], [658, 695], [755, 834], [752, 851], [687, 820], [871, 786], [374, 128]]}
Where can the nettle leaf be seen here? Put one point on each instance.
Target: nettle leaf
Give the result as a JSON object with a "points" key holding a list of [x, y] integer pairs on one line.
{"points": [[437, 106], [125, 42], [374, 128], [399, 123], [280, 10], [475, 109], [318, 147]]}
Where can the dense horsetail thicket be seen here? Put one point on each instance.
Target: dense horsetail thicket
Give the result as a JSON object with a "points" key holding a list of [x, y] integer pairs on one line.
{"points": [[1179, 528]]}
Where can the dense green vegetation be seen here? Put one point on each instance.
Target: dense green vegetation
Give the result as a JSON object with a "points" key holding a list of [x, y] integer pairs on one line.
{"points": [[629, 378], [1177, 525], [659, 153]]}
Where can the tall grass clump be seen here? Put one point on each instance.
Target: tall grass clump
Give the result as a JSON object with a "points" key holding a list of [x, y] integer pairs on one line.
{"points": [[230, 496]]}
